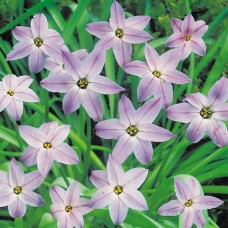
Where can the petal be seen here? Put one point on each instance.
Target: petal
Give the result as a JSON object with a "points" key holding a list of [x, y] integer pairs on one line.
{"points": [[16, 174], [83, 206], [51, 49], [166, 93], [80, 54], [197, 45], [31, 198], [172, 208], [199, 219], [99, 29], [188, 217], [72, 194], [188, 25], [4, 182], [99, 178], [39, 25], [37, 60], [21, 33], [220, 111], [169, 60], [7, 197], [200, 28], [10, 82], [57, 194], [175, 40], [198, 100], [106, 42], [32, 180], [194, 186], [59, 213], [110, 129], [137, 22], [47, 127], [5, 100], [176, 25], [65, 154], [26, 94], [44, 161], [17, 208], [137, 68], [29, 156], [117, 18], [175, 76], [54, 37], [24, 81], [75, 218], [185, 51], [152, 57], [15, 109]]}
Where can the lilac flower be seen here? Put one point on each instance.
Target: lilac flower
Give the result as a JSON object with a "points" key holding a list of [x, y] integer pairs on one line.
{"points": [[187, 36], [46, 145], [120, 33], [118, 190], [68, 207], [16, 189], [204, 114], [13, 91], [38, 42], [134, 130], [189, 203], [82, 84], [157, 74]]}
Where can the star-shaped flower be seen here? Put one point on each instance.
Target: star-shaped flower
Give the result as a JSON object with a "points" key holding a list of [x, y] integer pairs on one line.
{"points": [[46, 145], [119, 190], [13, 92], [120, 33], [82, 84], [157, 74], [189, 202], [68, 207], [134, 130], [205, 114], [16, 189], [38, 42], [187, 36]]}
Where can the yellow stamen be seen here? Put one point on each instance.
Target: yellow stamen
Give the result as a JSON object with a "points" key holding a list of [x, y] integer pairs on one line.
{"points": [[17, 190], [10, 92], [187, 37], [132, 130], [38, 41], [206, 113], [68, 209], [47, 145], [188, 203], [156, 74], [118, 189], [82, 83], [119, 33]]}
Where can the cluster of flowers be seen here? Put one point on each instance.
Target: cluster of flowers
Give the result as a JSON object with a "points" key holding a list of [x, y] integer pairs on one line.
{"points": [[78, 76]]}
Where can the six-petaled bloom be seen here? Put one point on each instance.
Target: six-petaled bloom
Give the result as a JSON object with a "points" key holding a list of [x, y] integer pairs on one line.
{"points": [[120, 33], [134, 130], [157, 74], [118, 189], [16, 189], [13, 91], [68, 207], [82, 84], [205, 114], [190, 203], [46, 145], [187, 36], [38, 42]]}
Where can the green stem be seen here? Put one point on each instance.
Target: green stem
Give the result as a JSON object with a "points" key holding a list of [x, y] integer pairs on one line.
{"points": [[62, 171], [19, 222], [212, 223], [187, 5], [191, 72], [11, 154], [18, 136], [46, 99]]}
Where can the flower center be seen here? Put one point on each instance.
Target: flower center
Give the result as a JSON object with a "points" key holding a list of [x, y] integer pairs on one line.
{"points": [[68, 209], [119, 33], [38, 41], [156, 74], [82, 83], [187, 37], [118, 189], [206, 113], [10, 92], [188, 203], [17, 190], [132, 130], [47, 145]]}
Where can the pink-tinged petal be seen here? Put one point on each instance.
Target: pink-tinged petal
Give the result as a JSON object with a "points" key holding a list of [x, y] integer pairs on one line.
{"points": [[80, 54], [169, 60], [37, 60], [39, 25], [196, 129], [175, 76], [51, 64], [16, 174], [199, 219], [17, 208], [15, 109], [99, 29], [21, 50], [107, 42], [57, 195], [188, 217], [194, 186], [151, 132], [188, 25], [63, 223], [21, 33], [54, 37], [122, 52], [135, 36], [83, 206], [5, 99], [29, 156], [220, 111], [134, 199], [26, 94], [58, 83], [166, 93], [32, 180], [72, 194], [104, 85], [137, 68], [176, 25], [45, 160], [59, 213], [99, 178], [33, 136], [137, 22], [7, 197], [72, 100], [47, 127], [103, 197], [92, 103], [118, 211], [10, 82], [172, 208], [65, 154], [152, 57], [24, 81], [31, 198], [197, 45], [200, 28], [183, 112], [185, 51], [51, 49], [198, 100], [175, 40], [117, 18], [75, 219], [110, 129], [4, 182]]}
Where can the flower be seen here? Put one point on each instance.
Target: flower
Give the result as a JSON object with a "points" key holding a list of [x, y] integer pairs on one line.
{"points": [[16, 189], [68, 207], [189, 202], [46, 145], [157, 74], [118, 190], [204, 114], [82, 84], [13, 91], [38, 42], [134, 130], [120, 33], [187, 36]]}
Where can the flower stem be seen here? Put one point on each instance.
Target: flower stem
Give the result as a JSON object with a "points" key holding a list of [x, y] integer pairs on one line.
{"points": [[18, 222], [187, 5], [15, 124], [191, 72], [62, 171], [46, 99], [212, 223]]}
